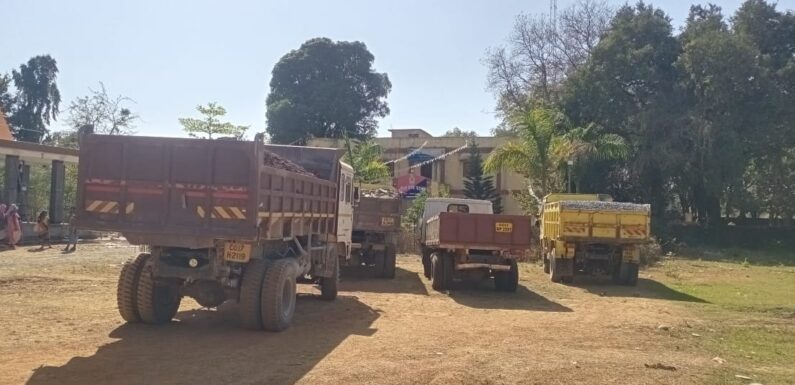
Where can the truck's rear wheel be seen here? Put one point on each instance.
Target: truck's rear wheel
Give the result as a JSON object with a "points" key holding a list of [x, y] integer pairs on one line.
{"points": [[441, 271], [560, 269], [278, 295], [507, 280], [389, 262], [127, 289], [157, 302], [554, 271], [328, 285], [426, 264], [250, 294], [629, 273], [379, 261], [546, 264]]}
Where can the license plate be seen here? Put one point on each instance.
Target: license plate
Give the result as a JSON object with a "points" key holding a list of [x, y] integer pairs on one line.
{"points": [[237, 251], [503, 227], [387, 221]]}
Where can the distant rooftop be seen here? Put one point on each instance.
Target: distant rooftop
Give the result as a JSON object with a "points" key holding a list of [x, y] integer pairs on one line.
{"points": [[409, 133]]}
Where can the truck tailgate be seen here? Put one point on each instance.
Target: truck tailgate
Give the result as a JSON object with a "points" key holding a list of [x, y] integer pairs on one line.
{"points": [[377, 214], [478, 231], [168, 188]]}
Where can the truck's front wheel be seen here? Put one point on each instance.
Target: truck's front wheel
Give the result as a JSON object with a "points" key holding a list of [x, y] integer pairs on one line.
{"points": [[441, 271], [507, 280], [426, 264], [157, 302], [328, 285], [278, 295], [389, 262], [127, 289]]}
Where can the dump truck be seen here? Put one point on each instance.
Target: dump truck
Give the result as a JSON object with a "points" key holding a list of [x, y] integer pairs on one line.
{"points": [[462, 239], [589, 233], [221, 220], [376, 223]]}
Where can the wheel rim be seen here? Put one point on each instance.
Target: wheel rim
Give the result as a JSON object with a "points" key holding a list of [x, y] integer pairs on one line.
{"points": [[287, 298]]}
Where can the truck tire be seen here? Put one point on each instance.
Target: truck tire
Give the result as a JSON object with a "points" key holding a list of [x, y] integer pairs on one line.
{"points": [[441, 271], [278, 295], [379, 261], [554, 269], [546, 264], [389, 262], [426, 264], [507, 281], [127, 288], [629, 273], [328, 285], [250, 294], [157, 302]]}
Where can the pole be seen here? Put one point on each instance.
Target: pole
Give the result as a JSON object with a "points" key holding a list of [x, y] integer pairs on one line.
{"points": [[568, 171]]}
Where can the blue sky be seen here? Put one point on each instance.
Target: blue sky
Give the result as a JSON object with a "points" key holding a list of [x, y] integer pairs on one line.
{"points": [[170, 56]]}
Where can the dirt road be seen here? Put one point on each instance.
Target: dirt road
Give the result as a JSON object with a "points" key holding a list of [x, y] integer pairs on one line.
{"points": [[59, 325]]}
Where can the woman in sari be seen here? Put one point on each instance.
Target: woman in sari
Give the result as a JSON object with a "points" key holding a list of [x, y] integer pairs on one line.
{"points": [[13, 227]]}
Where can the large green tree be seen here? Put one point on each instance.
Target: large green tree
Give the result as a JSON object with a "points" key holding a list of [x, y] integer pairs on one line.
{"points": [[365, 158], [478, 185], [37, 99], [210, 124], [326, 89]]}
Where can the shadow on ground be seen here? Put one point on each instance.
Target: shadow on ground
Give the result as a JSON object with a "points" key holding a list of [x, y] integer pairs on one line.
{"points": [[210, 347], [646, 288], [364, 279], [483, 296]]}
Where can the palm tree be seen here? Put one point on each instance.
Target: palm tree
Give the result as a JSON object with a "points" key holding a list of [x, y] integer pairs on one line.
{"points": [[365, 158], [532, 154], [584, 145]]}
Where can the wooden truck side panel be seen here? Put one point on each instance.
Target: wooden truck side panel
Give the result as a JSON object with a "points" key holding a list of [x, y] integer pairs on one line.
{"points": [[377, 214], [189, 192], [605, 225], [478, 231]]}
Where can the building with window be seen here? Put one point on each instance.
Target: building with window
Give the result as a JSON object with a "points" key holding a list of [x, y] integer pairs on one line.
{"points": [[419, 160]]}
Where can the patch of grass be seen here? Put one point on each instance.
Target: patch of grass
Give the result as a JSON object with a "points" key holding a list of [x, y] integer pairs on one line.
{"points": [[763, 352]]}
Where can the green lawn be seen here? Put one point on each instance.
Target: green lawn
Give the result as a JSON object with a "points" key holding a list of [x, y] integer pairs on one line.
{"points": [[750, 311]]}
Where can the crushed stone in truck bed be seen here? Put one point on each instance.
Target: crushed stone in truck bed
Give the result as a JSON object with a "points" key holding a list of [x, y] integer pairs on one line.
{"points": [[604, 206], [275, 161]]}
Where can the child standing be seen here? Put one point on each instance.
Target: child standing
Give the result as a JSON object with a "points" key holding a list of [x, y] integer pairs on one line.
{"points": [[43, 229]]}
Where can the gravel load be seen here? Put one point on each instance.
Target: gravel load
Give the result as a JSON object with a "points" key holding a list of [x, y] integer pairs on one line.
{"points": [[380, 193], [604, 206], [275, 161]]}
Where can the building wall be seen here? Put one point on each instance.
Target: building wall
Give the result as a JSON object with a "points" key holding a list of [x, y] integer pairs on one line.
{"points": [[5, 130], [448, 171]]}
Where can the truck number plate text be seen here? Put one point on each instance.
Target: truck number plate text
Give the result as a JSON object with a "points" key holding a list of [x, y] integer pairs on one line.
{"points": [[237, 251], [503, 227], [387, 221]]}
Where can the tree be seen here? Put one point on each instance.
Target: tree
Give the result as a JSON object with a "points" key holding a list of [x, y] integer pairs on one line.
{"points": [[107, 114], [37, 98], [476, 184], [586, 147], [456, 132], [542, 51], [532, 154], [211, 124], [365, 158], [326, 89]]}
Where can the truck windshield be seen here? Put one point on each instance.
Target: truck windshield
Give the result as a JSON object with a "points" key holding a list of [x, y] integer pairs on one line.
{"points": [[457, 208]]}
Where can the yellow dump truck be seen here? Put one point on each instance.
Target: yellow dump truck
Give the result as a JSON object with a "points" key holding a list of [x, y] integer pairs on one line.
{"points": [[590, 233]]}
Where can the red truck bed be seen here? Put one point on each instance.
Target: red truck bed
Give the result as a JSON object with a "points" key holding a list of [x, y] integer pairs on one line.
{"points": [[478, 231]]}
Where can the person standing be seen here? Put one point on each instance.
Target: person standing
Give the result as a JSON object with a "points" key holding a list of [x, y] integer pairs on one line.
{"points": [[43, 229], [71, 232], [13, 227]]}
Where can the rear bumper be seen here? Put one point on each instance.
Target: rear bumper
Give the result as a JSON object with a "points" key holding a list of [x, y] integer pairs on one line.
{"points": [[471, 266]]}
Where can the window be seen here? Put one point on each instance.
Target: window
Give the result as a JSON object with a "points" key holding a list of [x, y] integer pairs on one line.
{"points": [[414, 135], [456, 208], [347, 189]]}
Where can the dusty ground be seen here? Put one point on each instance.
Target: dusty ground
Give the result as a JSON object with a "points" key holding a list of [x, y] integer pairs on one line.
{"points": [[59, 325]]}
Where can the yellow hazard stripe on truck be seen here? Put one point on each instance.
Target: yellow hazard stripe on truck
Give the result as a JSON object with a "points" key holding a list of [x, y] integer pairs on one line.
{"points": [[222, 212], [108, 207]]}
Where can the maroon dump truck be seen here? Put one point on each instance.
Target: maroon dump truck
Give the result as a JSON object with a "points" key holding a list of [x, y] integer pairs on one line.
{"points": [[376, 223], [461, 239], [223, 220]]}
